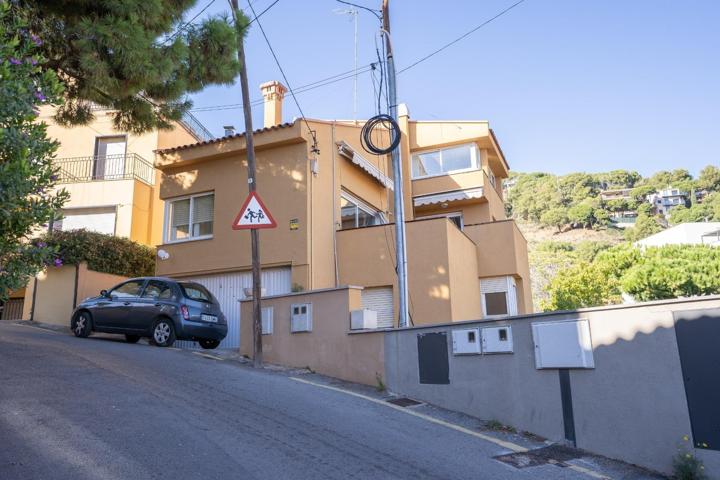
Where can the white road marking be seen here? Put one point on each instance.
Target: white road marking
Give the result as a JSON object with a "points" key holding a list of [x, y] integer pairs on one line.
{"points": [[587, 471], [207, 355], [502, 443]]}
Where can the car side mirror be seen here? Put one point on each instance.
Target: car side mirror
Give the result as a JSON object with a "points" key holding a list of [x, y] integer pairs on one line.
{"points": [[103, 293]]}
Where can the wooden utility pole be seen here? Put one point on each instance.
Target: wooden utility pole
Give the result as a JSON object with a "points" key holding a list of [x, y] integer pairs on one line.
{"points": [[399, 196], [252, 186]]}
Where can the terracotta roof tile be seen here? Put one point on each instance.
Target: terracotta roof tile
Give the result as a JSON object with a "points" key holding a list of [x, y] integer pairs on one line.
{"points": [[222, 139]]}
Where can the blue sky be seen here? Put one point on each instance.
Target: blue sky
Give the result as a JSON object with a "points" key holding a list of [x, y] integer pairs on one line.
{"points": [[567, 85]]}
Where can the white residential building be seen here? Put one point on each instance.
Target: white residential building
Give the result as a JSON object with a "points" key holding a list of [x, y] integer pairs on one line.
{"points": [[692, 233]]}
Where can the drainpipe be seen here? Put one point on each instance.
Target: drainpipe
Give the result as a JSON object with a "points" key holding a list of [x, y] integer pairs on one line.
{"points": [[334, 204], [32, 306], [77, 275]]}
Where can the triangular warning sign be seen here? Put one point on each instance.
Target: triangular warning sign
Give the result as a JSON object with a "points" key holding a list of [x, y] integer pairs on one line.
{"points": [[253, 214]]}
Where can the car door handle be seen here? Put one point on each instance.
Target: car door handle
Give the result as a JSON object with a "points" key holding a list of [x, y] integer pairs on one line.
{"points": [[157, 304], [126, 303]]}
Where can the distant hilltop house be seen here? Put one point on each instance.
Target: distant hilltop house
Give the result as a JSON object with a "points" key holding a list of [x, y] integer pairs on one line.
{"points": [[667, 199], [620, 218], [691, 233], [616, 194]]}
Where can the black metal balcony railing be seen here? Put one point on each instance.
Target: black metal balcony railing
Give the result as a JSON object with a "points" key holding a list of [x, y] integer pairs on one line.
{"points": [[126, 166]]}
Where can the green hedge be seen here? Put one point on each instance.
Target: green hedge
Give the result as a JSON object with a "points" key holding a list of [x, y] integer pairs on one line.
{"points": [[103, 253]]}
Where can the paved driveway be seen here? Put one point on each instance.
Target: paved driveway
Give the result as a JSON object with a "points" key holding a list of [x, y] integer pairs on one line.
{"points": [[99, 408]]}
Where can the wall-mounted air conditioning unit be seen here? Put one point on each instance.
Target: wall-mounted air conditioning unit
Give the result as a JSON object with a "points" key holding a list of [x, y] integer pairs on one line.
{"points": [[301, 317], [363, 319]]}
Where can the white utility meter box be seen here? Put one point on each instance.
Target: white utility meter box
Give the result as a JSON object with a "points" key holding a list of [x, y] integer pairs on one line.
{"points": [[497, 340], [466, 341], [563, 344], [363, 319], [301, 317]]}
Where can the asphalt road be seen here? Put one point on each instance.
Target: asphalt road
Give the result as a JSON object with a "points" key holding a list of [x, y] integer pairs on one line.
{"points": [[99, 408]]}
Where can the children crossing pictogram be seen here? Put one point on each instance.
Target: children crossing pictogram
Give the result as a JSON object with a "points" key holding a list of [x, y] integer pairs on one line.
{"points": [[253, 214]]}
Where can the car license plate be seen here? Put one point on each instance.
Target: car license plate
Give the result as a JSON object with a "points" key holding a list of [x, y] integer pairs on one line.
{"points": [[208, 318]]}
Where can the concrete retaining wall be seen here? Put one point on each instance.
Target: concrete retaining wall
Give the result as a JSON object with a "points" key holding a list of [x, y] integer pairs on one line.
{"points": [[52, 296], [632, 406], [330, 348]]}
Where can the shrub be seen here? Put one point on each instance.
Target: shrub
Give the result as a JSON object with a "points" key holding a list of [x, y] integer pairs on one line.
{"points": [[687, 466], [103, 253]]}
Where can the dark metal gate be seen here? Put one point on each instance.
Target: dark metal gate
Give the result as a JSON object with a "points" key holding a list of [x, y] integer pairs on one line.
{"points": [[698, 337]]}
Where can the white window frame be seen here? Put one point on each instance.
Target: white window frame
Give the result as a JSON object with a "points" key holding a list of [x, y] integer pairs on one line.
{"points": [[474, 158], [361, 206], [267, 314], [447, 215], [510, 294], [167, 227]]}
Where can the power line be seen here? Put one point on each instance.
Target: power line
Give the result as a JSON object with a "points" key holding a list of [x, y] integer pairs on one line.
{"points": [[282, 72], [461, 37], [261, 13], [302, 89], [187, 24]]}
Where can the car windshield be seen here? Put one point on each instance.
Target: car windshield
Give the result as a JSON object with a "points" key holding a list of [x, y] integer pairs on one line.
{"points": [[195, 291]]}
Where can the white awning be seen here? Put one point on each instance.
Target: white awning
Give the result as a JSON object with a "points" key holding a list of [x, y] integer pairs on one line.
{"points": [[448, 197], [348, 152]]}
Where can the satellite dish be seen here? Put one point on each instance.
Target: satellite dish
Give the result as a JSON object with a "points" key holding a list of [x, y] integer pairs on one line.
{"points": [[163, 254]]}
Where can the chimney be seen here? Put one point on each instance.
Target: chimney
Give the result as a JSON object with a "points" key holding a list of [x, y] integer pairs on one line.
{"points": [[273, 93], [229, 130]]}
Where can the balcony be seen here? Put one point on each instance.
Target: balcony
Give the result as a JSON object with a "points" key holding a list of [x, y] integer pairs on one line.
{"points": [[128, 166]]}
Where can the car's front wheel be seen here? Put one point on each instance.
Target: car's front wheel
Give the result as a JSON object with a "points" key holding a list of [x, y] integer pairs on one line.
{"points": [[209, 344], [163, 333], [81, 325], [132, 338]]}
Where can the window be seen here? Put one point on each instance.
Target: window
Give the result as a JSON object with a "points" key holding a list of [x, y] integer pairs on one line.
{"points": [[447, 160], [158, 290], [190, 218], [128, 289], [94, 219], [354, 213], [267, 320], [195, 291], [499, 296], [496, 303], [110, 157]]}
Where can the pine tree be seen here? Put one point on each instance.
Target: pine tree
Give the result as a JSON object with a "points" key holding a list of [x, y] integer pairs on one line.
{"points": [[137, 57]]}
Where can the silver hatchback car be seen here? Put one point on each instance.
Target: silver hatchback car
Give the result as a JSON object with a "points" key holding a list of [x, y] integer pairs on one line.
{"points": [[160, 308]]}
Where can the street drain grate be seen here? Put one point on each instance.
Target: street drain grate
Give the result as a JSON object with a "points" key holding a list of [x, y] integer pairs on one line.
{"points": [[403, 402], [554, 455]]}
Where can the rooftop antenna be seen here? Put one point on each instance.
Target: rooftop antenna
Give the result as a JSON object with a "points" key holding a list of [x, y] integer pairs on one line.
{"points": [[354, 13]]}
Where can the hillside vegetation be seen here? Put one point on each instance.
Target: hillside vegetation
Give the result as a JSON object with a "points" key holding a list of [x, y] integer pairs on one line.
{"points": [[569, 230]]}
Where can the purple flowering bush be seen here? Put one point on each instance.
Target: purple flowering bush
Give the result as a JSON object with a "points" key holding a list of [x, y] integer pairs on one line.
{"points": [[27, 196], [101, 252]]}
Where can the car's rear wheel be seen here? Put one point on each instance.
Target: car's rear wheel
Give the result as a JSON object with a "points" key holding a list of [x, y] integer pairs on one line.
{"points": [[132, 338], [209, 344], [163, 333], [81, 325]]}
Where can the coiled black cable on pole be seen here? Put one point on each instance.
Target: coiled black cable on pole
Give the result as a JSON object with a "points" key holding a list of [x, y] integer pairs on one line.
{"points": [[380, 121]]}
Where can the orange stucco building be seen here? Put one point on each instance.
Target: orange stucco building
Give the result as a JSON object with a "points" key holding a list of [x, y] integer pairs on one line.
{"points": [[334, 209]]}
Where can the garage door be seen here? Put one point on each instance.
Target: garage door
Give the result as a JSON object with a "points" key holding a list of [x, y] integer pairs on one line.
{"points": [[228, 288], [380, 299]]}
